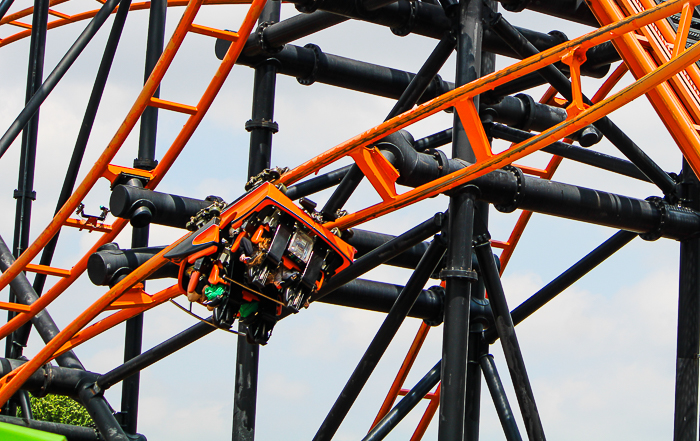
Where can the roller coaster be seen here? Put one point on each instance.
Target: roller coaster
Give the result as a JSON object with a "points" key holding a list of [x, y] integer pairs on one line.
{"points": [[452, 176]]}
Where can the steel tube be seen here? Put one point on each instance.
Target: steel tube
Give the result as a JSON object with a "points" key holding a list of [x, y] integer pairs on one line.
{"points": [[144, 207], [685, 425], [102, 414], [55, 76], [380, 297], [584, 156], [146, 159], [318, 183], [4, 6], [566, 279], [382, 254], [509, 340], [390, 326], [403, 407], [25, 193], [500, 400], [155, 354], [247, 354]]}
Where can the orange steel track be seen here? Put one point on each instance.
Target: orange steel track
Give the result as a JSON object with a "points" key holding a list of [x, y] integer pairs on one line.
{"points": [[664, 70], [102, 167]]}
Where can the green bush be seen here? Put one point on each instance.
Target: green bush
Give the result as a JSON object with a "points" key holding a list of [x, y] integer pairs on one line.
{"points": [[59, 409]]}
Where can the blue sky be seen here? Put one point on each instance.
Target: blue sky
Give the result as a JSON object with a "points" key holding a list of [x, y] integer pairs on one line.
{"points": [[601, 357]]}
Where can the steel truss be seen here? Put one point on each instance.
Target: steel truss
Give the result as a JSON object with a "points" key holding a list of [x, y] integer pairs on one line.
{"points": [[654, 40]]}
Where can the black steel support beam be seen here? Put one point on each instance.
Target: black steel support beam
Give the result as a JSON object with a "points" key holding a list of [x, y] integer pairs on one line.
{"points": [[155, 354], [509, 341], [500, 400], [380, 297], [247, 355], [25, 194], [380, 342], [685, 421], [566, 279], [55, 76], [578, 154], [146, 160]]}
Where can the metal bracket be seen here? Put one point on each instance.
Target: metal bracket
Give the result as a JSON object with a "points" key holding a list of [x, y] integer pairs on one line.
{"points": [[519, 178], [311, 78]]}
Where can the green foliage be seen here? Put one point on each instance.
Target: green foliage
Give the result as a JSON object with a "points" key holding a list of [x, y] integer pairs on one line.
{"points": [[60, 409]]}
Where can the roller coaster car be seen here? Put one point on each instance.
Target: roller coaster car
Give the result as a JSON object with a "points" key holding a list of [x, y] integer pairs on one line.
{"points": [[256, 258]]}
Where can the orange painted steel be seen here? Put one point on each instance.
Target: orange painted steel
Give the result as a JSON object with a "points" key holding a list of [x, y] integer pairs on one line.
{"points": [[84, 224], [427, 415], [562, 130], [169, 105], [117, 318], [663, 98], [62, 284], [573, 123], [47, 270], [16, 307], [27, 12], [103, 161], [89, 14], [102, 165], [403, 372], [11, 382]]}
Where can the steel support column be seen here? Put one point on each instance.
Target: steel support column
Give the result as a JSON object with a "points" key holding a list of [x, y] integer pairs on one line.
{"points": [[145, 159], [458, 273], [261, 127], [685, 424]]}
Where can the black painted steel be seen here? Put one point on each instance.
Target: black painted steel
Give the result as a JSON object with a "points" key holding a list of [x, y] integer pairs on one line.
{"points": [[574, 10], [149, 119], [247, 355], [390, 326], [318, 183], [430, 20], [380, 297], [458, 274], [403, 407], [85, 130], [566, 279], [144, 207], [102, 414], [584, 156], [146, 159], [433, 141], [420, 83], [110, 264], [559, 81], [383, 253], [25, 194], [154, 354], [509, 341], [500, 400], [72, 433], [410, 96], [55, 76], [685, 425]]}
